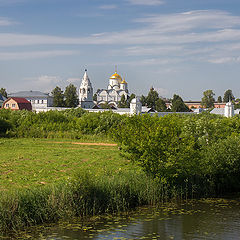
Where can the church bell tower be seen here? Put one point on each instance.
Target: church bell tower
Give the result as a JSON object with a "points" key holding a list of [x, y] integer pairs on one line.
{"points": [[86, 92]]}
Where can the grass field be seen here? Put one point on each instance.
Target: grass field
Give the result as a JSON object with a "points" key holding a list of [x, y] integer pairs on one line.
{"points": [[35, 162]]}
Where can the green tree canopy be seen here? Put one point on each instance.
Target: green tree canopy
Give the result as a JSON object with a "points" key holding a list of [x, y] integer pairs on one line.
{"points": [[178, 104], [3, 92], [143, 100], [123, 102], [208, 99], [58, 97], [71, 98], [161, 105], [152, 98], [219, 100], [228, 96]]}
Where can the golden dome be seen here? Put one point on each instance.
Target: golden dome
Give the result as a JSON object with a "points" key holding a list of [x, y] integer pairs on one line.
{"points": [[116, 76], [123, 82]]}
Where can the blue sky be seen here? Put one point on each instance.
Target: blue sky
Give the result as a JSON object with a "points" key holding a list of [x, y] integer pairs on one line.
{"points": [[176, 46]]}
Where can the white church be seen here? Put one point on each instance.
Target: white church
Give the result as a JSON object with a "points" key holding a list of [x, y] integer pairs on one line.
{"points": [[117, 87]]}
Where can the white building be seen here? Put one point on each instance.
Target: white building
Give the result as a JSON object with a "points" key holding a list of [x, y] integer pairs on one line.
{"points": [[38, 99], [86, 92], [117, 87]]}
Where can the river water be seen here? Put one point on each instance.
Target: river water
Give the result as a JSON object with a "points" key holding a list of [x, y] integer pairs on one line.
{"points": [[203, 219]]}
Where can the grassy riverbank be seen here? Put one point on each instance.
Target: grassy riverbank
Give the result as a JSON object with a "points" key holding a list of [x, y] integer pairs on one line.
{"points": [[46, 180]]}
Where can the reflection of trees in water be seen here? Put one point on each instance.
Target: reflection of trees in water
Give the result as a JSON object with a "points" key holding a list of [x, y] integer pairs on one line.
{"points": [[211, 222]]}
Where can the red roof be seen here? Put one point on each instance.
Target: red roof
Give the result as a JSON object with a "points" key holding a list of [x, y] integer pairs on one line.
{"points": [[22, 103], [20, 100]]}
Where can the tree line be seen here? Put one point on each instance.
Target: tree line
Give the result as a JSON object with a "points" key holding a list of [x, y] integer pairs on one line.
{"points": [[69, 99]]}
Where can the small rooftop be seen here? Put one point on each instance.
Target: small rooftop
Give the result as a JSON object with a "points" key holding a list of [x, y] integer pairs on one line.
{"points": [[29, 94]]}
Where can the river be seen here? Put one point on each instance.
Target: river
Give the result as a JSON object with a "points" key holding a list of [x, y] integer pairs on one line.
{"points": [[203, 219]]}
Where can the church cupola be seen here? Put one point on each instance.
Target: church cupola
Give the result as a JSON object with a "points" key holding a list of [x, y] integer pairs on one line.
{"points": [[86, 92], [123, 85]]}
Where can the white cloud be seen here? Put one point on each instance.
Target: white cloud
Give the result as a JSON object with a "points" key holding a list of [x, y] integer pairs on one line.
{"points": [[6, 21], [43, 83], [74, 80], [33, 55], [176, 35], [146, 2], [108, 7]]}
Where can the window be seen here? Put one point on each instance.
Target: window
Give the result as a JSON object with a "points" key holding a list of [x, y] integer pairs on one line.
{"points": [[13, 105], [7, 105], [42, 101], [38, 101]]}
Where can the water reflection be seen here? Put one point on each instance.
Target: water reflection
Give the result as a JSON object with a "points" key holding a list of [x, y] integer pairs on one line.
{"points": [[208, 219]]}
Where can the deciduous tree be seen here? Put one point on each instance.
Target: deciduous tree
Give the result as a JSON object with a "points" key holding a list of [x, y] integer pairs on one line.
{"points": [[178, 104], [208, 99], [228, 96], [3, 92], [58, 97], [71, 98]]}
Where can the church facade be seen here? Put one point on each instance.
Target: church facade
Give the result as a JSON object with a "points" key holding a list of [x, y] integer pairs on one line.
{"points": [[117, 87]]}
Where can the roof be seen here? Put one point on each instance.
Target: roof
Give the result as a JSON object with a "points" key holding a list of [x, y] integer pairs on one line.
{"points": [[28, 94], [219, 111], [22, 103]]}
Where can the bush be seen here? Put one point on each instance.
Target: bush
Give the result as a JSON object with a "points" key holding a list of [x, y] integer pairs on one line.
{"points": [[195, 152]]}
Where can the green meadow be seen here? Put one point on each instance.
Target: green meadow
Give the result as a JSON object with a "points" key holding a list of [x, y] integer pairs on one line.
{"points": [[26, 163]]}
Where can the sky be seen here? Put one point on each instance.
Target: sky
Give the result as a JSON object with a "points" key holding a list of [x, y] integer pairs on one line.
{"points": [[176, 46]]}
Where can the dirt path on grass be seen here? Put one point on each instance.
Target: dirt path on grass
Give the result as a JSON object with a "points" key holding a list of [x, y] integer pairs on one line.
{"points": [[90, 144]]}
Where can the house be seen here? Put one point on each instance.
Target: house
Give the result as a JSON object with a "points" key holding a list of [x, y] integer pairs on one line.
{"points": [[17, 104], [38, 99]]}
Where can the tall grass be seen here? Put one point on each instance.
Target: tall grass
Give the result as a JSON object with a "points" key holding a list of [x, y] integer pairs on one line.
{"points": [[86, 195]]}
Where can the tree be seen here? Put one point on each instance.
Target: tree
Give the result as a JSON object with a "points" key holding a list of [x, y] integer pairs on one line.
{"points": [[132, 96], [228, 96], [161, 105], [178, 104], [143, 100], [219, 100], [71, 98], [152, 98], [58, 97], [123, 102], [95, 97], [3, 92], [208, 99]]}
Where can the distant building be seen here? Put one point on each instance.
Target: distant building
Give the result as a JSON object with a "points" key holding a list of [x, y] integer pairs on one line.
{"points": [[15, 103], [227, 111], [38, 99], [117, 87], [86, 92]]}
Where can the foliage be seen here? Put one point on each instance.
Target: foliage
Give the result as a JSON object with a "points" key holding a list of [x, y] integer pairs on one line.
{"points": [[58, 97], [228, 96], [178, 104], [4, 126], [71, 97], [219, 100], [71, 123], [3, 92], [201, 150], [161, 105], [95, 97], [123, 102], [208, 99], [152, 98], [143, 100]]}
